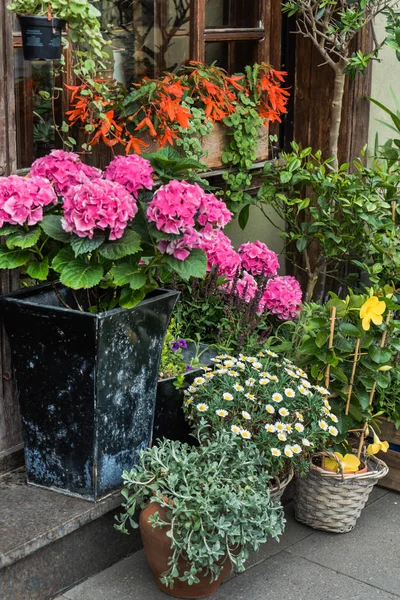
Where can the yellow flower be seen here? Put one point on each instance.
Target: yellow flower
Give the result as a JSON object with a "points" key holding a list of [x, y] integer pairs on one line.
{"points": [[245, 434], [350, 463], [377, 446], [372, 310]]}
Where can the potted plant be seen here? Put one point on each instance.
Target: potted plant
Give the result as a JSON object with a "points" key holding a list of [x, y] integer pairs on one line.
{"points": [[182, 361], [86, 349], [265, 401], [204, 509], [42, 22]]}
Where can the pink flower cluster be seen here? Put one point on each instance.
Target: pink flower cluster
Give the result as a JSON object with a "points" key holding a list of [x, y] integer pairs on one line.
{"points": [[178, 204], [22, 199], [132, 171], [258, 259], [181, 247], [63, 170], [282, 297], [100, 205], [220, 252]]}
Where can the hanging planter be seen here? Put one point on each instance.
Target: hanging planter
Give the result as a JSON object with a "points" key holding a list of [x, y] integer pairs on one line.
{"points": [[41, 37], [86, 384], [333, 501]]}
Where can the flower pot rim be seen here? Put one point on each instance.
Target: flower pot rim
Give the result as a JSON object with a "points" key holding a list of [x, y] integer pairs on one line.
{"points": [[23, 296], [55, 21]]}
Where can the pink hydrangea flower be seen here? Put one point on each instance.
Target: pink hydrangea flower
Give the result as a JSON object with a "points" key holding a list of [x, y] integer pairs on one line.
{"points": [[282, 297], [174, 206], [213, 211], [99, 205], [245, 287], [258, 259], [181, 247], [64, 170], [220, 252], [132, 171], [22, 199]]}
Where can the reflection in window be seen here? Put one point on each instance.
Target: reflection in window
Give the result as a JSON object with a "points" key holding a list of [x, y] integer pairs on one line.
{"points": [[232, 13], [231, 56], [34, 83], [147, 37]]}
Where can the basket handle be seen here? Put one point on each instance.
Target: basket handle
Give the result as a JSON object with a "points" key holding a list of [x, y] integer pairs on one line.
{"points": [[335, 458]]}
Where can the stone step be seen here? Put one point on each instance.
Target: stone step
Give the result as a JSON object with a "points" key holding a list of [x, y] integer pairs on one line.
{"points": [[50, 541]]}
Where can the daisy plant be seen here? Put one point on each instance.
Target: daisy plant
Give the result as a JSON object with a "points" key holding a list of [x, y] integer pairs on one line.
{"points": [[267, 401]]}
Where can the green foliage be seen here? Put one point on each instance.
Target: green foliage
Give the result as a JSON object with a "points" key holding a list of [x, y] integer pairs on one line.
{"points": [[174, 361], [393, 31], [307, 342], [199, 127], [217, 501], [169, 164]]}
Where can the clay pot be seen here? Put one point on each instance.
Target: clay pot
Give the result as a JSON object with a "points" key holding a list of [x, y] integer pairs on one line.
{"points": [[362, 469], [157, 547]]}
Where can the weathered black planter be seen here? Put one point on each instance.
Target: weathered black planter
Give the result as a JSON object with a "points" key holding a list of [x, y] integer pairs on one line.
{"points": [[41, 38], [169, 419], [87, 385]]}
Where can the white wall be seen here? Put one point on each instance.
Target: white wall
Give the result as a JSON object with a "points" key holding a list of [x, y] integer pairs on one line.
{"points": [[385, 74]]}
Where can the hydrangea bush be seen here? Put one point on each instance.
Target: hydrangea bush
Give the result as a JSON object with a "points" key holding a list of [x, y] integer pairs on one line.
{"points": [[104, 232], [267, 401]]}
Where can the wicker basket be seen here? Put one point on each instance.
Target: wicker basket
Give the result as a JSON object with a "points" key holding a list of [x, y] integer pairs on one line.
{"points": [[276, 492], [334, 501]]}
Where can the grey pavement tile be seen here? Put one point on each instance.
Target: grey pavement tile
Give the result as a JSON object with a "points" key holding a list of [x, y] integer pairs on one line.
{"points": [[130, 579], [369, 553], [294, 532], [288, 577], [376, 493]]}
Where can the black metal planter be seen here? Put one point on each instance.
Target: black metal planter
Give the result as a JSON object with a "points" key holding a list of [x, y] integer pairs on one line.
{"points": [[86, 384], [169, 419], [41, 37]]}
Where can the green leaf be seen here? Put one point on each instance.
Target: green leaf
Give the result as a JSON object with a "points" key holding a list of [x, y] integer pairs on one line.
{"points": [[62, 259], [11, 259], [129, 243], [39, 270], [301, 243], [7, 229], [129, 298], [309, 347], [244, 216], [80, 273], [322, 338], [51, 225], [350, 329], [379, 355], [84, 245], [194, 266], [23, 239], [126, 273]]}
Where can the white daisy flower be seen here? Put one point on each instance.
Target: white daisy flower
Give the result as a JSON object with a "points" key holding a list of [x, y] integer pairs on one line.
{"points": [[209, 376], [199, 380], [297, 449], [288, 429], [240, 365], [291, 373], [246, 415], [189, 400], [274, 378], [288, 451], [325, 411], [306, 383], [251, 359], [245, 434], [323, 425], [290, 393], [282, 436], [215, 359], [265, 374], [202, 407], [303, 390], [333, 431], [277, 397], [334, 418], [275, 452], [260, 353], [257, 365], [270, 428], [299, 427], [305, 442], [192, 389], [327, 405], [227, 396], [235, 429], [270, 409], [250, 382], [300, 416], [264, 381], [283, 412], [322, 390], [221, 413], [280, 426], [228, 363], [233, 373], [250, 396], [301, 373], [238, 387], [221, 371], [270, 353]]}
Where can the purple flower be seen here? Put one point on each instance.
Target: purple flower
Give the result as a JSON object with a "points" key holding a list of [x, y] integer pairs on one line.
{"points": [[181, 343], [189, 368]]}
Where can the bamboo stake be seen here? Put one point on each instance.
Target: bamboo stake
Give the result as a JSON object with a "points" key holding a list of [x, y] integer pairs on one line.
{"points": [[330, 344], [372, 392], [394, 211], [353, 372]]}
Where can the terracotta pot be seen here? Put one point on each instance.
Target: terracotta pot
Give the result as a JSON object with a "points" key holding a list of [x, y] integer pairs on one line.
{"points": [[363, 469], [157, 547]]}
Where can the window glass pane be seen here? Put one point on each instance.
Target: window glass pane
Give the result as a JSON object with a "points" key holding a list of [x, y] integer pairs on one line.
{"points": [[148, 36], [34, 113], [232, 13], [232, 56]]}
